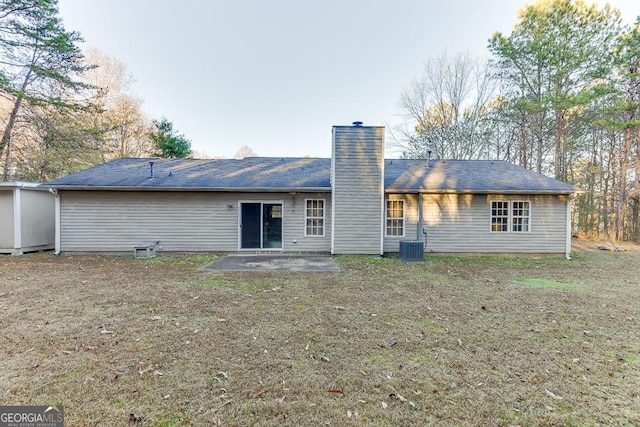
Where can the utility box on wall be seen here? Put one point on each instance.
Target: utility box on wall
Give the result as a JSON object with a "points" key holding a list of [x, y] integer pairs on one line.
{"points": [[411, 250], [146, 250]]}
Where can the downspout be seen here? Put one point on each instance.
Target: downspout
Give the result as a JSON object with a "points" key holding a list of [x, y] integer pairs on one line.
{"points": [[333, 189], [383, 214], [57, 220], [419, 234], [383, 203], [567, 249]]}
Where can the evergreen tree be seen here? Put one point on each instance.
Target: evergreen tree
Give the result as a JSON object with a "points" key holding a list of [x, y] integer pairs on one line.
{"points": [[167, 142], [553, 62], [40, 62]]}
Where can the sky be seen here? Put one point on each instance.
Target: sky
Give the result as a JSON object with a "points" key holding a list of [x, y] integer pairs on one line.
{"points": [[277, 75]]}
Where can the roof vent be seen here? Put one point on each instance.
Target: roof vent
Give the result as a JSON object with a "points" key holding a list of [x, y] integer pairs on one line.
{"points": [[357, 124], [150, 170]]}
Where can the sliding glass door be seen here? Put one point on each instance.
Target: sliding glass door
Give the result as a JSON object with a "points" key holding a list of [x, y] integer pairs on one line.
{"points": [[260, 225]]}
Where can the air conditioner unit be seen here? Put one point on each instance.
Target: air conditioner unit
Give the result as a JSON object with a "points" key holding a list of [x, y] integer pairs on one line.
{"points": [[411, 250]]}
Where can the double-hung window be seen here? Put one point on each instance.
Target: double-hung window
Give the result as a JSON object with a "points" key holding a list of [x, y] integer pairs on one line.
{"points": [[395, 218], [520, 217], [510, 216], [314, 217]]}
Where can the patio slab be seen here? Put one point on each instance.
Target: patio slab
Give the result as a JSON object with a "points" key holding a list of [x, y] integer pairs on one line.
{"points": [[274, 263]]}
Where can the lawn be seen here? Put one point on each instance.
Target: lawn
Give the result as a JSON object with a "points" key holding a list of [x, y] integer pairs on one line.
{"points": [[452, 341]]}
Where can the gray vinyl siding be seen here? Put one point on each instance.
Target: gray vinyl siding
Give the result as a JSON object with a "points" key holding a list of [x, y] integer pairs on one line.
{"points": [[295, 224], [6, 217], [358, 193], [392, 243], [37, 213], [461, 223], [116, 221]]}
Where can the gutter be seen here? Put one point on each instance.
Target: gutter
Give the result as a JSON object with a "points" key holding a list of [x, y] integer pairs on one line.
{"points": [[57, 220], [201, 189], [20, 184], [480, 192]]}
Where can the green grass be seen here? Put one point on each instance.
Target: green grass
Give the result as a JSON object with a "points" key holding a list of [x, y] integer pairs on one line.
{"points": [[543, 283]]}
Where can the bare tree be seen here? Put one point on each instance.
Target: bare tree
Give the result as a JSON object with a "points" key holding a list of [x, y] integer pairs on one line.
{"points": [[444, 109], [117, 114], [244, 151]]}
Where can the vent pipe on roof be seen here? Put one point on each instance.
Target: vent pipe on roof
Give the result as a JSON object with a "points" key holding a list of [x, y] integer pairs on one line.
{"points": [[151, 170], [428, 158], [357, 124]]}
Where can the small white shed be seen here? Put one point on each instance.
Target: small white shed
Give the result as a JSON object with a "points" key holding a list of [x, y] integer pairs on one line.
{"points": [[27, 218]]}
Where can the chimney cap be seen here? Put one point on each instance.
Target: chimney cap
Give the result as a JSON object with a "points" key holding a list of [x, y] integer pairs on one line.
{"points": [[357, 124]]}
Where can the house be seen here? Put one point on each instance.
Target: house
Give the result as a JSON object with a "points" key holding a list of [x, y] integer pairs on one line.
{"points": [[354, 203], [26, 218]]}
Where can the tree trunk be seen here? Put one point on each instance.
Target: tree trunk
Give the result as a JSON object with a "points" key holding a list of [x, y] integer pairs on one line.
{"points": [[623, 197], [635, 220], [5, 145], [559, 160]]}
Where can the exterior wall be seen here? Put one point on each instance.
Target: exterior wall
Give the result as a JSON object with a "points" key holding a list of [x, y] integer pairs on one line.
{"points": [[357, 178], [461, 223], [37, 212], [115, 221], [392, 243], [6, 221], [27, 219]]}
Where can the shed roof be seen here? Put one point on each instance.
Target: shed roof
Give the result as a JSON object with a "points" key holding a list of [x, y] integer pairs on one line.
{"points": [[308, 174]]}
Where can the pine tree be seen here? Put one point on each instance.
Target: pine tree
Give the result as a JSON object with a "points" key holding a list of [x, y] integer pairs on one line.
{"points": [[167, 142], [40, 62]]}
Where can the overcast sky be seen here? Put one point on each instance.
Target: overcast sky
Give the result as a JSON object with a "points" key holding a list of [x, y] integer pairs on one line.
{"points": [[277, 75]]}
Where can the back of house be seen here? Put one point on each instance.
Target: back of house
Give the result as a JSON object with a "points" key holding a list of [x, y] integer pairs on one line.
{"points": [[356, 202]]}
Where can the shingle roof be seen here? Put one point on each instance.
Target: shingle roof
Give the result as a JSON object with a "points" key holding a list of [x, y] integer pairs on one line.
{"points": [[297, 174], [468, 176], [252, 173]]}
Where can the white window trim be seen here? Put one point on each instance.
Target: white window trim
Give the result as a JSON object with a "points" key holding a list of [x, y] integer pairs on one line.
{"points": [[324, 218], [510, 216], [386, 218], [491, 216]]}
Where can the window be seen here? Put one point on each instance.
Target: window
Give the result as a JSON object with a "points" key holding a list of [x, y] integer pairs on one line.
{"points": [[314, 218], [500, 217], [520, 217], [516, 219], [395, 218]]}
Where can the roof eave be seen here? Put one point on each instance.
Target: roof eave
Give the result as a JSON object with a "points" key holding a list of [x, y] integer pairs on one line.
{"points": [[468, 191], [300, 190], [194, 189], [20, 184]]}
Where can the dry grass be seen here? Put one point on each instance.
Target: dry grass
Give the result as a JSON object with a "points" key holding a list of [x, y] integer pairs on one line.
{"points": [[453, 341]]}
